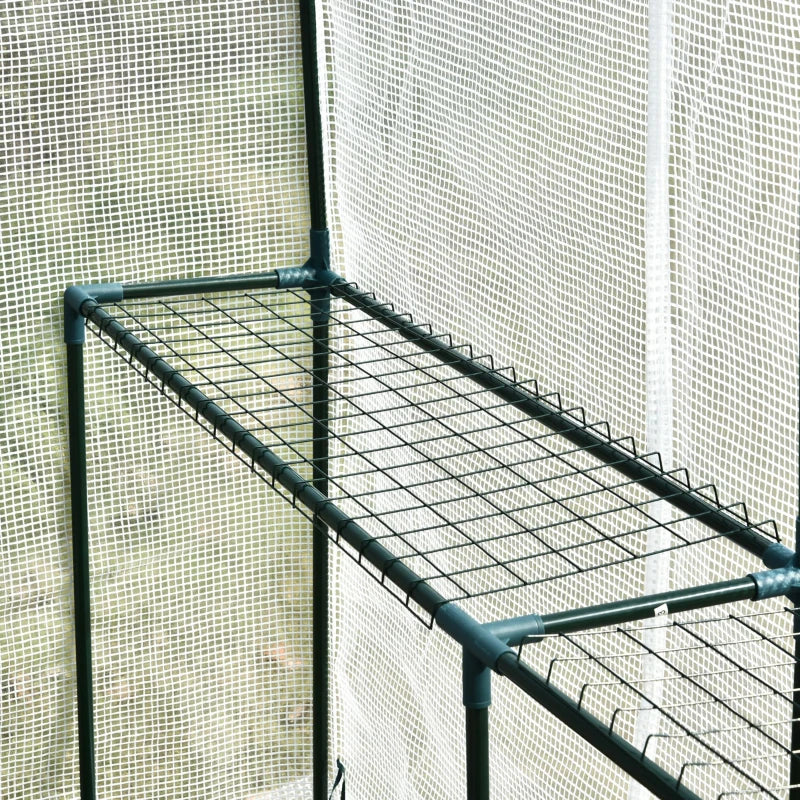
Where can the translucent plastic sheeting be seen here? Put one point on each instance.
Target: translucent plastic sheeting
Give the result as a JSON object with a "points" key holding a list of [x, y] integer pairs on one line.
{"points": [[482, 155], [493, 157]]}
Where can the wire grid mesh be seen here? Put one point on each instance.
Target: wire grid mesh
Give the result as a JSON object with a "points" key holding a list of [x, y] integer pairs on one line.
{"points": [[472, 493], [720, 708]]}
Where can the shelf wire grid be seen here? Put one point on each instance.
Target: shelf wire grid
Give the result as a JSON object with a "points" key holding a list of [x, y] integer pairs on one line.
{"points": [[721, 705], [478, 498], [470, 492]]}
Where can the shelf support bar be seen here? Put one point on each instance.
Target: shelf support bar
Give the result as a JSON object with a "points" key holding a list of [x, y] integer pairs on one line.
{"points": [[319, 299], [794, 761], [477, 689]]}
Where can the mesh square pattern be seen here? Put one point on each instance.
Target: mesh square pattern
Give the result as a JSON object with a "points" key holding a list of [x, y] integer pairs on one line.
{"points": [[145, 141], [139, 141], [476, 493], [486, 503], [493, 156]]}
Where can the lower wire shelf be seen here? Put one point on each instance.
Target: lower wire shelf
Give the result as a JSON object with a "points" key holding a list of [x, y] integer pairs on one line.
{"points": [[457, 485], [708, 698]]}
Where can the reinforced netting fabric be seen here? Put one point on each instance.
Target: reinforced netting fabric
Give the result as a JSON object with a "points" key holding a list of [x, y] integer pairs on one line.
{"points": [[143, 141], [509, 159], [201, 625], [488, 170]]}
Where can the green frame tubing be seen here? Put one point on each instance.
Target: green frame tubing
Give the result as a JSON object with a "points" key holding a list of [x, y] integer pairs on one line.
{"points": [[320, 302], [80, 568], [487, 647]]}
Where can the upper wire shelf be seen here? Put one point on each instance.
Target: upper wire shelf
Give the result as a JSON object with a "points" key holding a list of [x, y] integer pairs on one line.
{"points": [[468, 488], [448, 478]]}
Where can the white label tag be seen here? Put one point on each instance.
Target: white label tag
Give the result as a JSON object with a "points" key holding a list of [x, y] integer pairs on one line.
{"points": [[661, 611]]}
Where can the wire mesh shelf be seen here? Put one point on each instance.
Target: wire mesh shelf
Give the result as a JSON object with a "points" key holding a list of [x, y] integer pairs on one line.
{"points": [[710, 698], [472, 483], [472, 491]]}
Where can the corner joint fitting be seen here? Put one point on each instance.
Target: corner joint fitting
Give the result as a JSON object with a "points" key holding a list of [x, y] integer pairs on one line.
{"points": [[314, 274], [76, 297], [784, 576], [320, 250], [517, 631], [476, 639], [476, 680]]}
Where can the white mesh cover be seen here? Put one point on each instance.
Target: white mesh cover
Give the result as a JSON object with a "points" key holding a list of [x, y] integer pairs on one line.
{"points": [[605, 196], [491, 170], [144, 141]]}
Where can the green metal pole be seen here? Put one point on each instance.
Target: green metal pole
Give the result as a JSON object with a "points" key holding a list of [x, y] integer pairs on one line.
{"points": [[216, 283], [477, 729], [477, 695], [794, 762], [623, 611], [311, 96], [80, 567], [320, 300]]}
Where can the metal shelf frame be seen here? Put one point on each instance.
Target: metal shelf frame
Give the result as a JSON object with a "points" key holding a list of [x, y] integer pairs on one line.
{"points": [[389, 397]]}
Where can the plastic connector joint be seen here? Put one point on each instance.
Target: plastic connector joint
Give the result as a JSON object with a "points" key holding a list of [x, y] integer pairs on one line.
{"points": [[500, 635], [777, 582], [475, 638], [783, 577], [295, 277], [316, 272], [778, 555], [75, 297], [476, 680], [320, 249]]}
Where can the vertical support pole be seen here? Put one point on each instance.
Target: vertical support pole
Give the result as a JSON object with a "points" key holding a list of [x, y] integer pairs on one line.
{"points": [[320, 362], [311, 95], [794, 767], [477, 685], [477, 753], [80, 566], [320, 306]]}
